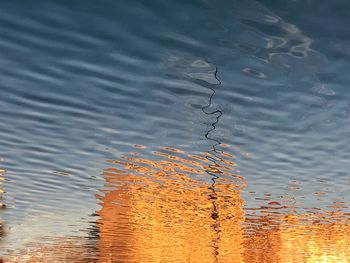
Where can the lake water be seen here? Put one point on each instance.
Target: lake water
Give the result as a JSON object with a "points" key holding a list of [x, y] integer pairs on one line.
{"points": [[175, 131]]}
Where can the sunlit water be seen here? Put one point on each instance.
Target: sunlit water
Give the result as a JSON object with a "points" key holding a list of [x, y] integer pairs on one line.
{"points": [[174, 131]]}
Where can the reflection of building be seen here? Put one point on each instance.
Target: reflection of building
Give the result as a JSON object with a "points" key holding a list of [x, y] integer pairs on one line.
{"points": [[159, 214], [317, 243], [293, 242], [152, 211]]}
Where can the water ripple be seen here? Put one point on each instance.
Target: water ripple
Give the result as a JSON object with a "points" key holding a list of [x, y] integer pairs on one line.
{"points": [[223, 126]]}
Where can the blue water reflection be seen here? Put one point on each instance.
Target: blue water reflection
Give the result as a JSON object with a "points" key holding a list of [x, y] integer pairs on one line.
{"points": [[83, 82]]}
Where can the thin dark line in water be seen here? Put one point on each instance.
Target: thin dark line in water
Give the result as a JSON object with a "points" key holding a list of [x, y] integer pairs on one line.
{"points": [[213, 169], [213, 157], [213, 153]]}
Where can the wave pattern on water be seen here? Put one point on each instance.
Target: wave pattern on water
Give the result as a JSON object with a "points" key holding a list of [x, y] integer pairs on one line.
{"points": [[161, 207], [255, 84]]}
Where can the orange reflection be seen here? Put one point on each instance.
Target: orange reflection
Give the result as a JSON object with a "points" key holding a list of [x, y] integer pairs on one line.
{"points": [[317, 243], [159, 214], [167, 208], [180, 207], [292, 241]]}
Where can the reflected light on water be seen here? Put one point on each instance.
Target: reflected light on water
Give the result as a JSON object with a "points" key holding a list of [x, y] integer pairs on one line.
{"points": [[160, 212], [162, 209], [175, 206]]}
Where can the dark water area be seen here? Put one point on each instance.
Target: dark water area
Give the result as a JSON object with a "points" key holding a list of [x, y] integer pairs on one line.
{"points": [[174, 131]]}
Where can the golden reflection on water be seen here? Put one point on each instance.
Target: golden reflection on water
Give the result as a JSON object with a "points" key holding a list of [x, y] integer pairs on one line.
{"points": [[160, 210], [288, 241], [159, 214], [180, 207]]}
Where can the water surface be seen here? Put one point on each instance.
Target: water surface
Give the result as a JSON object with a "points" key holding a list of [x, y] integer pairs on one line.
{"points": [[174, 131]]}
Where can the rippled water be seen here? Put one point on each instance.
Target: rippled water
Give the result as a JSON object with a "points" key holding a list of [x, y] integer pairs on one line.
{"points": [[174, 131]]}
